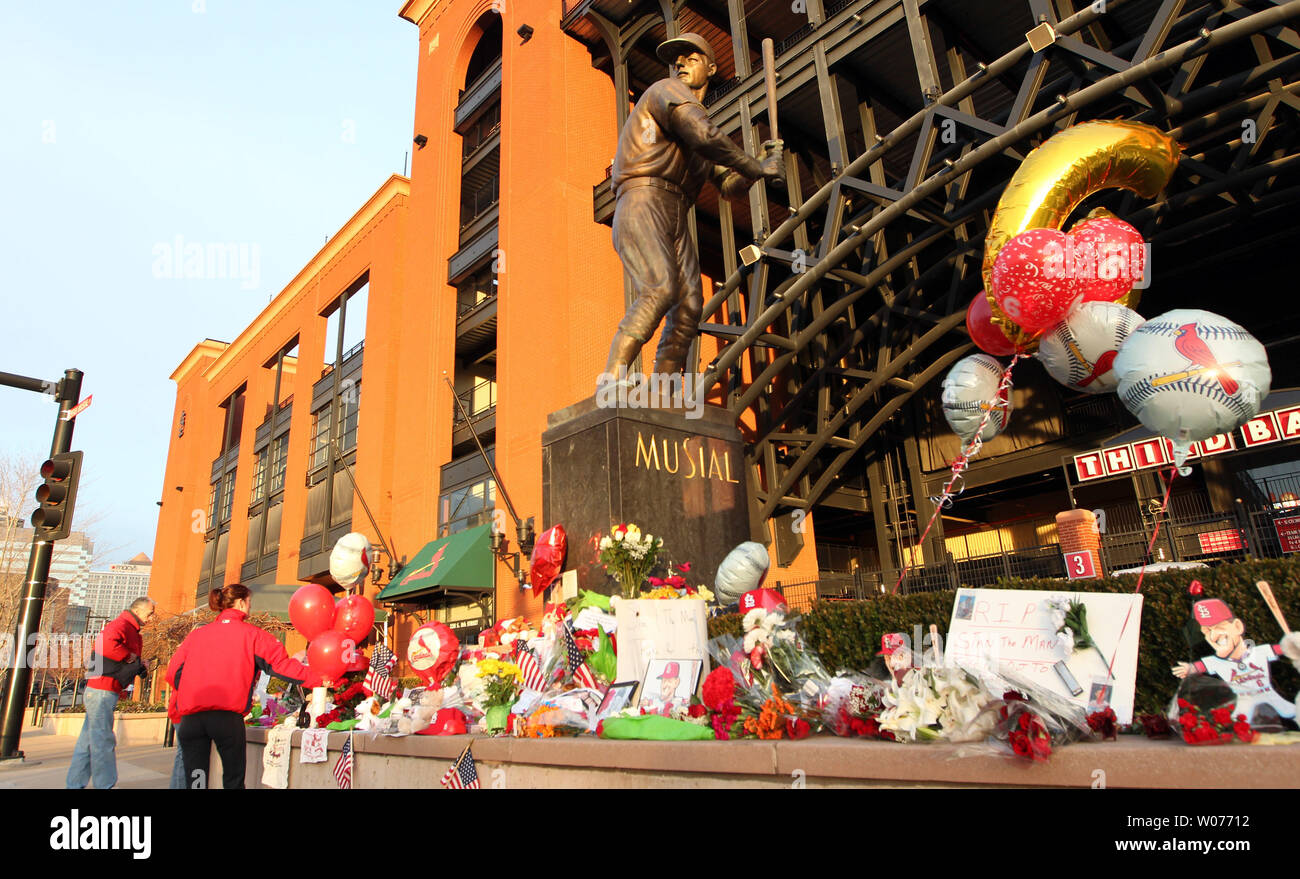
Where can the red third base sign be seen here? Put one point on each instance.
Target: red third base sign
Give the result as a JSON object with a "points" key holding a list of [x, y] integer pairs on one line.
{"points": [[1080, 566]]}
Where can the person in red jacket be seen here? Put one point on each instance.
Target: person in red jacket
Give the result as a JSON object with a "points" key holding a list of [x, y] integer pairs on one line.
{"points": [[214, 672], [117, 661]]}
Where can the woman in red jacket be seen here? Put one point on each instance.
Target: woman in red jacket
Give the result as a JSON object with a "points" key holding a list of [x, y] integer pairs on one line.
{"points": [[214, 672]]}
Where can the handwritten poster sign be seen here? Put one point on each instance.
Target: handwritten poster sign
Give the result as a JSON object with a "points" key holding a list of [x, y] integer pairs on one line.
{"points": [[1011, 630], [649, 630]]}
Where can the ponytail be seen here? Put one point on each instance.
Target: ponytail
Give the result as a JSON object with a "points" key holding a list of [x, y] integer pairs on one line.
{"points": [[225, 597]]}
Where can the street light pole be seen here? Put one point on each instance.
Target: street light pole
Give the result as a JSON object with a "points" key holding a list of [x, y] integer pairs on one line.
{"points": [[38, 569]]}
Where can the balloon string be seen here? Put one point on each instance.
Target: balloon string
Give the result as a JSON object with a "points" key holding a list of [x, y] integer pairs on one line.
{"points": [[959, 465], [1164, 505], [1110, 667]]}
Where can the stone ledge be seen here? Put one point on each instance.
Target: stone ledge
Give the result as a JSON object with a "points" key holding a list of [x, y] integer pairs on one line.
{"points": [[1132, 761]]}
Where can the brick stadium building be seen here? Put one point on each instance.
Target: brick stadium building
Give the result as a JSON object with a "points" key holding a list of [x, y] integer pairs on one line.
{"points": [[903, 120]]}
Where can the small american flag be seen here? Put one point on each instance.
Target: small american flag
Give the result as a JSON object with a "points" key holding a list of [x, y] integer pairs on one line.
{"points": [[377, 679], [577, 665], [526, 659], [343, 768], [462, 774]]}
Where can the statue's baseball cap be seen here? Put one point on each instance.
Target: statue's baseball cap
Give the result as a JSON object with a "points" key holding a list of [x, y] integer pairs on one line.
{"points": [[1211, 612], [684, 44]]}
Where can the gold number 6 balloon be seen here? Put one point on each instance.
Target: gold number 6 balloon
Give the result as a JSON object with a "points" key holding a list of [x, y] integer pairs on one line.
{"points": [[1056, 177]]}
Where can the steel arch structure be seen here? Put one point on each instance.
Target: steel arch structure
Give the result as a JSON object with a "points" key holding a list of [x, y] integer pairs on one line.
{"points": [[854, 301]]}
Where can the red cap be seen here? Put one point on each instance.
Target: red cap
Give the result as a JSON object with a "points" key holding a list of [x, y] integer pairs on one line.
{"points": [[1211, 612], [767, 599], [671, 670], [892, 642]]}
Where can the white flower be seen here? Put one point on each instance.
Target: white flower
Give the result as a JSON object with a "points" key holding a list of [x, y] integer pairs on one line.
{"points": [[1067, 640], [753, 618], [606, 543]]}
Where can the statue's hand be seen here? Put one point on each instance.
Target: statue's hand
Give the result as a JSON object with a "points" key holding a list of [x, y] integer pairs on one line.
{"points": [[772, 162]]}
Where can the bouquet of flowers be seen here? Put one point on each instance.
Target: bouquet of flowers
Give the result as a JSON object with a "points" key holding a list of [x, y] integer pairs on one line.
{"points": [[628, 556], [778, 657], [1032, 721], [854, 704], [936, 704], [675, 586], [501, 682], [1205, 708]]}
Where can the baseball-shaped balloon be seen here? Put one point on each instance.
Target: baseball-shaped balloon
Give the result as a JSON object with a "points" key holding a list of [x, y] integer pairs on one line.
{"points": [[1032, 282], [745, 568], [1189, 375], [983, 332], [350, 559], [1080, 351], [1109, 258], [969, 391]]}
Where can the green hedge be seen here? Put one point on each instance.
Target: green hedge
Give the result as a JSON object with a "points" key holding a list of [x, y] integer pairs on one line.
{"points": [[847, 633]]}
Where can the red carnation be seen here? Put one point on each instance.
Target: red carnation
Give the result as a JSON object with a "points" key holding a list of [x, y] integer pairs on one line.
{"points": [[1020, 745], [1222, 716], [797, 728], [1103, 722], [1243, 730], [719, 688], [697, 711], [1185, 705]]}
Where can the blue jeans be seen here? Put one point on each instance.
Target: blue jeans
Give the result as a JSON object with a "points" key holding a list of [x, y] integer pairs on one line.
{"points": [[178, 771], [96, 752]]}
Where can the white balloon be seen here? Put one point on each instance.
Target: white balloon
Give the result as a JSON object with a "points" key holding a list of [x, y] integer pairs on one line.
{"points": [[1080, 351], [971, 389], [743, 569], [1189, 375], [350, 559]]}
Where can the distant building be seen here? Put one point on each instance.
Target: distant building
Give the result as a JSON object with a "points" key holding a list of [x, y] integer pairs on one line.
{"points": [[69, 564], [109, 592]]}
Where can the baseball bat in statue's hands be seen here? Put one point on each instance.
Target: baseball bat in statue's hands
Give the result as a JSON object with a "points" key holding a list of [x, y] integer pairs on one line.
{"points": [[776, 179]]}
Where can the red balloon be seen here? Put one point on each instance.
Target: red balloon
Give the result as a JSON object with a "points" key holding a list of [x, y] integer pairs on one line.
{"points": [[987, 335], [329, 655], [354, 616], [1033, 282], [311, 610], [548, 558], [1109, 258], [432, 652]]}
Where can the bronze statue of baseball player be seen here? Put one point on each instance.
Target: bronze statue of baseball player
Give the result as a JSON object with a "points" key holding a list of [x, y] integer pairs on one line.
{"points": [[667, 150]]}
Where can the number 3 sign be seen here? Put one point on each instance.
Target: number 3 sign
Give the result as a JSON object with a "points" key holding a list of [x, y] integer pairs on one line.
{"points": [[1080, 565]]}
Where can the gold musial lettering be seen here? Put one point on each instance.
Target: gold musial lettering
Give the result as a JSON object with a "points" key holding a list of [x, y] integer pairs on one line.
{"points": [[675, 452]]}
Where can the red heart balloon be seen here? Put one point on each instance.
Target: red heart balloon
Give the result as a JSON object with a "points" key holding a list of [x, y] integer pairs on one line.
{"points": [[354, 616], [330, 654], [987, 335], [311, 610], [1109, 258], [1032, 279]]}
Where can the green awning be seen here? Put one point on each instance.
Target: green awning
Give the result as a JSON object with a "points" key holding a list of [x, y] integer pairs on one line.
{"points": [[460, 562]]}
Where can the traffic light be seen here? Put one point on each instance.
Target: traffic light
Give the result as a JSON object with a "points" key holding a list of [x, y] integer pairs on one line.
{"points": [[53, 519]]}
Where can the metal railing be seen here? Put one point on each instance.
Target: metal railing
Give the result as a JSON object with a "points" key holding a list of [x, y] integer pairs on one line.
{"points": [[478, 400], [465, 305], [479, 204], [1194, 536]]}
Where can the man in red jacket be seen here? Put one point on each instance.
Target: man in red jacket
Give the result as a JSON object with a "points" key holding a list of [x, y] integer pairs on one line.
{"points": [[117, 659], [214, 673]]}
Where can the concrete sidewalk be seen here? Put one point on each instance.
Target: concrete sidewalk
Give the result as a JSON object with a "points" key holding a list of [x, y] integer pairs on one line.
{"points": [[48, 756]]}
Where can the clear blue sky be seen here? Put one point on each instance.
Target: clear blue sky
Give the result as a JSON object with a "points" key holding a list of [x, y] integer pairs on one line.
{"points": [[127, 123]]}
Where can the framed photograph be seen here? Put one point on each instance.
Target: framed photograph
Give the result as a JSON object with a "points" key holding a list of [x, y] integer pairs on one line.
{"points": [[616, 699], [669, 684], [1099, 695]]}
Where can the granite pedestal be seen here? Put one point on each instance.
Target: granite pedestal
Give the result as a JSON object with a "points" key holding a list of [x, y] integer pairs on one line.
{"points": [[675, 477]]}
